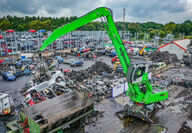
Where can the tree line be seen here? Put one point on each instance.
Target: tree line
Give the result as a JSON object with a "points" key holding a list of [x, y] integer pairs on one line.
{"points": [[50, 23]]}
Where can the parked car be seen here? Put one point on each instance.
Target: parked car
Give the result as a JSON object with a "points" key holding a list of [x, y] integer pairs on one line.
{"points": [[68, 61], [113, 53], [26, 69], [83, 49], [100, 52], [59, 58], [101, 47], [31, 67], [26, 72], [7, 60], [92, 47], [26, 60], [8, 76], [115, 59], [18, 73], [76, 63], [29, 45]]}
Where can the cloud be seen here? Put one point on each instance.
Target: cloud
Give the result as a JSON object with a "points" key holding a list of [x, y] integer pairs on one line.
{"points": [[149, 10], [22, 6], [136, 10]]}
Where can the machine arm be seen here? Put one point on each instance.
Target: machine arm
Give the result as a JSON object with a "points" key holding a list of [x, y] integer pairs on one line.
{"points": [[142, 51], [109, 25]]}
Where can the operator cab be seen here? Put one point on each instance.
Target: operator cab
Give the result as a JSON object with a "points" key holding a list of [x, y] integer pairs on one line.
{"points": [[136, 71]]}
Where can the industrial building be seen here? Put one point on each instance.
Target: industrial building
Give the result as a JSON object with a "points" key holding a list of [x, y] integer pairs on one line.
{"points": [[177, 47]]}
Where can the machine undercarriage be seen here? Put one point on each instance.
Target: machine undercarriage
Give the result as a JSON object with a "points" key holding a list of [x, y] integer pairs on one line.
{"points": [[138, 110]]}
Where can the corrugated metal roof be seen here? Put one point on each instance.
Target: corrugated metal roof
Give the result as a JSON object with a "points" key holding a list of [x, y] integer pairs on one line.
{"points": [[183, 43], [180, 43]]}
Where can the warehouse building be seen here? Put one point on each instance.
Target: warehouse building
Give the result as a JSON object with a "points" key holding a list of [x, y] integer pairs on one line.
{"points": [[176, 47]]}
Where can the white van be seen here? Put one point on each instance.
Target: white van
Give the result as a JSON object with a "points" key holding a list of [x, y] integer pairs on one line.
{"points": [[6, 104]]}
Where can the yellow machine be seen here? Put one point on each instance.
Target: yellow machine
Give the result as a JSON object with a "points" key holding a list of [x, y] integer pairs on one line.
{"points": [[118, 66], [142, 52]]}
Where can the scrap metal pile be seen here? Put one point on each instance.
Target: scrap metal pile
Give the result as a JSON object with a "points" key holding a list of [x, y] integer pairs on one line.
{"points": [[95, 80], [78, 76], [187, 57], [163, 57], [96, 88], [56, 86], [99, 68], [176, 76]]}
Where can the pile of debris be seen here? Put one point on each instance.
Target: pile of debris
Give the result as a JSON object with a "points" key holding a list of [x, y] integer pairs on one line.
{"points": [[176, 76], [164, 56], [78, 76], [99, 68], [187, 57], [103, 89], [94, 81], [93, 117]]}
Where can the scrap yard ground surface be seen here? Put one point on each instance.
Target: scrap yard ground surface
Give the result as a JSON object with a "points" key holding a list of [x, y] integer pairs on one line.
{"points": [[175, 115]]}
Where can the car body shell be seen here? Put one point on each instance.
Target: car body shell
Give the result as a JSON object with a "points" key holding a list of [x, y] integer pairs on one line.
{"points": [[8, 76], [76, 63]]}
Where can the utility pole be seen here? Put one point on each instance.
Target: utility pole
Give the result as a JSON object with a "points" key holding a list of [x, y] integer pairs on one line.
{"points": [[144, 38], [123, 37], [124, 9], [180, 36]]}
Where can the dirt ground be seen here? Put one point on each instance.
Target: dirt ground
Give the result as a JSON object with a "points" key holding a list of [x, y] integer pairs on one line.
{"points": [[172, 118]]}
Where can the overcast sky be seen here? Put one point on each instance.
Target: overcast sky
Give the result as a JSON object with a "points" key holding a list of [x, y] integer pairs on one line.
{"points": [[161, 11]]}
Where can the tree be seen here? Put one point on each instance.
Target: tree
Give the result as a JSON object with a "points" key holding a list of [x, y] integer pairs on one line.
{"points": [[98, 25], [150, 25], [5, 25], [36, 24], [184, 28], [134, 27], [152, 33], [162, 34], [90, 27], [21, 27], [170, 27], [51, 23], [46, 25]]}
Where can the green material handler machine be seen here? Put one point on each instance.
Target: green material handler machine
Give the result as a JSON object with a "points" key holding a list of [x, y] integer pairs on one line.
{"points": [[140, 90]]}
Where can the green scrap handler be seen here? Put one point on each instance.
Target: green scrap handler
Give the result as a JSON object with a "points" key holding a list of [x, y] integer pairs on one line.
{"points": [[140, 91]]}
